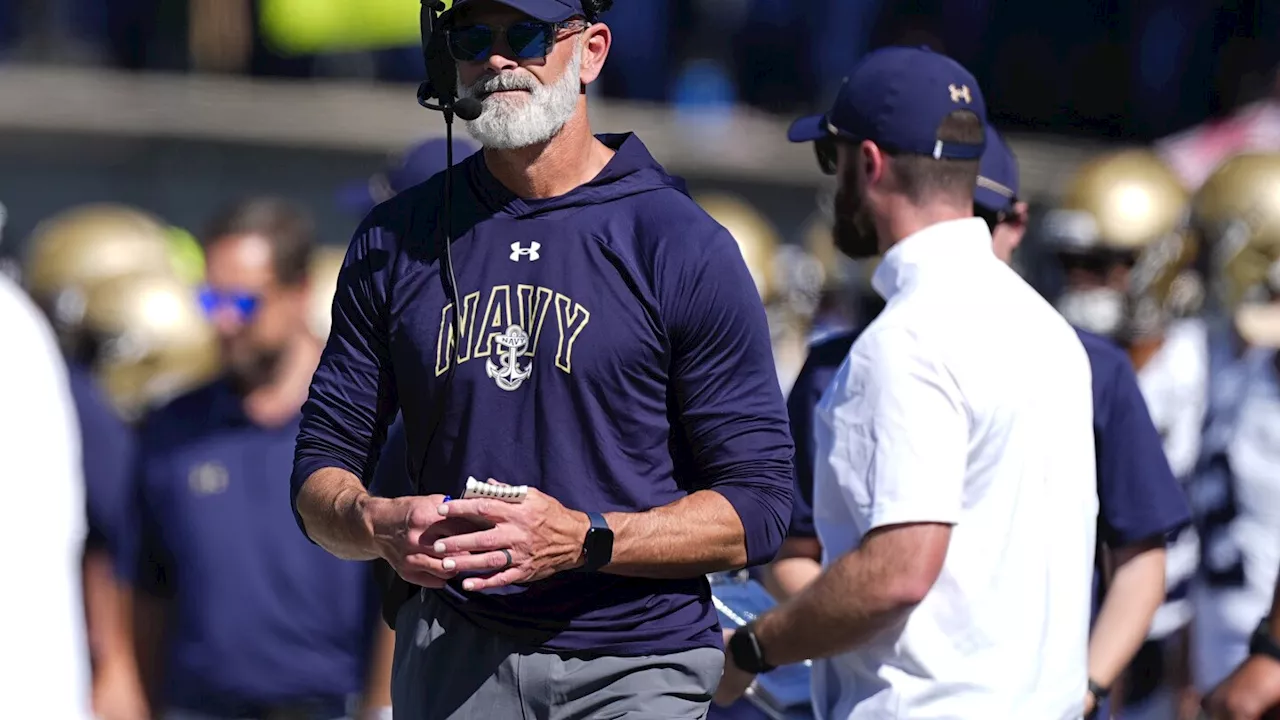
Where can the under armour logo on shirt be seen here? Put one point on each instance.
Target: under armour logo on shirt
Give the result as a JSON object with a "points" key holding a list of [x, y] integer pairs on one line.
{"points": [[530, 252]]}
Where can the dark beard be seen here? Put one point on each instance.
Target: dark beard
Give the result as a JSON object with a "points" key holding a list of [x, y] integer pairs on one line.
{"points": [[249, 374], [855, 234]]}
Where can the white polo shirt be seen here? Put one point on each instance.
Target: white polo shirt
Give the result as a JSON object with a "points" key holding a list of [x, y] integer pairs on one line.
{"points": [[43, 648], [967, 402]]}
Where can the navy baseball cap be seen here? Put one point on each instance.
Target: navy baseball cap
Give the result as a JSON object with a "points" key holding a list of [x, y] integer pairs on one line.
{"points": [[545, 10], [412, 167], [897, 97], [997, 189]]}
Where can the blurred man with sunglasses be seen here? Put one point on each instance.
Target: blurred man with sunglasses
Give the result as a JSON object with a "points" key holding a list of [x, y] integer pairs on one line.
{"points": [[257, 622], [1139, 499], [610, 352], [954, 487]]}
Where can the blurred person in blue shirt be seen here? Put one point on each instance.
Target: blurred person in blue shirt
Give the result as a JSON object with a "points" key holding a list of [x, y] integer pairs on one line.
{"points": [[257, 621], [108, 449], [1140, 501], [415, 165]]}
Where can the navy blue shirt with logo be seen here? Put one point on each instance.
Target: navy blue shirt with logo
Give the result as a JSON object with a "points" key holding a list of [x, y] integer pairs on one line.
{"points": [[259, 616], [614, 354], [107, 446], [1138, 496]]}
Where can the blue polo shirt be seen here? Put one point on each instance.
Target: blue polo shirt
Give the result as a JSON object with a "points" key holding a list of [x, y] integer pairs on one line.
{"points": [[107, 444], [259, 615]]}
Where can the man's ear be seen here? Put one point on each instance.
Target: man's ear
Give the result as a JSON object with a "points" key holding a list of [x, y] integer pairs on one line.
{"points": [[595, 50], [873, 161]]}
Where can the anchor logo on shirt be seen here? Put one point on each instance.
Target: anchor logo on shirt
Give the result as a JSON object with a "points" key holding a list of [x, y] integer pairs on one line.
{"points": [[508, 374], [207, 478]]}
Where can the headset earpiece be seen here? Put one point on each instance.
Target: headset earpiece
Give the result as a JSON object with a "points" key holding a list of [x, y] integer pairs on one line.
{"points": [[442, 80]]}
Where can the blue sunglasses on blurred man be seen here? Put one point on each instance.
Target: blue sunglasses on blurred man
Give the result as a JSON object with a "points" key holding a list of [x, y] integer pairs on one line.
{"points": [[243, 305]]}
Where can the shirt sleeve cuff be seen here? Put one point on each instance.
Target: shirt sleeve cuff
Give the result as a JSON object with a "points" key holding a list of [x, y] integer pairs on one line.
{"points": [[762, 522], [304, 468], [899, 514]]}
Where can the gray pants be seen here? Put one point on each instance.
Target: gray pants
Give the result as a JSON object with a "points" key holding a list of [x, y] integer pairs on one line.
{"points": [[446, 668]]}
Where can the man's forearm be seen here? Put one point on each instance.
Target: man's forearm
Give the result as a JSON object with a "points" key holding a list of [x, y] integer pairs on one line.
{"points": [[109, 610], [798, 564], [377, 693], [697, 534], [330, 503], [1135, 593], [865, 591]]}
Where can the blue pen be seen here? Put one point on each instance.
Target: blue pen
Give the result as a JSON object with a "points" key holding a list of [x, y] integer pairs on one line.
{"points": [[447, 498]]}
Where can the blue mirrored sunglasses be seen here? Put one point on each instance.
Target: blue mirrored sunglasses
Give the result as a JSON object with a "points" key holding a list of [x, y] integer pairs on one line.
{"points": [[244, 305], [528, 39]]}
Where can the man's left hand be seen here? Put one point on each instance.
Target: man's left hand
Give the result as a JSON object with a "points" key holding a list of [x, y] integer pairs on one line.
{"points": [[542, 537], [734, 682]]}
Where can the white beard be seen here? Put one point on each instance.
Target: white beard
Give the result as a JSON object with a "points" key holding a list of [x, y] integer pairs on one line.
{"points": [[509, 123]]}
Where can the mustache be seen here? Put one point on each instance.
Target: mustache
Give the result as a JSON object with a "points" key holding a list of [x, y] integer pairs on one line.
{"points": [[501, 82]]}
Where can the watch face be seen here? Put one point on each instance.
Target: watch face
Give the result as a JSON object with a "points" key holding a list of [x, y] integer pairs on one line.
{"points": [[599, 547]]}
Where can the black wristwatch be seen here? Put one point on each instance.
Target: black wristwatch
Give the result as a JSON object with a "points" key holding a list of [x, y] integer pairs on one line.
{"points": [[597, 547], [1262, 642], [744, 648], [1099, 694]]}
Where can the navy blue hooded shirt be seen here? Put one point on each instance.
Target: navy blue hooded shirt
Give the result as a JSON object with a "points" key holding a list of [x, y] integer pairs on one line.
{"points": [[614, 354]]}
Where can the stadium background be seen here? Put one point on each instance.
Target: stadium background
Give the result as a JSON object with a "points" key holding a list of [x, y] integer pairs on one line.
{"points": [[178, 106]]}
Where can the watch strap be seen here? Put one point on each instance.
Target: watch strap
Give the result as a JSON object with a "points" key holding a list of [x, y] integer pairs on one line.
{"points": [[597, 551], [746, 650]]}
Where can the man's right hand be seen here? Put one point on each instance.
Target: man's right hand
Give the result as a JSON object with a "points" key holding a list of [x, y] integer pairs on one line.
{"points": [[405, 529]]}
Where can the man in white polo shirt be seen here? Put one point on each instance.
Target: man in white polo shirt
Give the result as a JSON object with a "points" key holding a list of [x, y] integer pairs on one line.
{"points": [[955, 495]]}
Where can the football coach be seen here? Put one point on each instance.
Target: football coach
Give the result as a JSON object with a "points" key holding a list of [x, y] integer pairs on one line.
{"points": [[607, 349], [954, 486]]}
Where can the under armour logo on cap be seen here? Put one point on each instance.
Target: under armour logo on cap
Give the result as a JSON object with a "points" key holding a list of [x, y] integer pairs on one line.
{"points": [[960, 93]]}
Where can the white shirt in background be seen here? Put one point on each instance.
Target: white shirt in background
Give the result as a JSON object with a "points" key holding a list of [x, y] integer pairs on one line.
{"points": [[967, 402], [43, 648]]}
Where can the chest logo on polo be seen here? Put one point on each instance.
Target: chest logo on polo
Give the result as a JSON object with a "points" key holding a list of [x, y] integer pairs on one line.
{"points": [[510, 332], [207, 478]]}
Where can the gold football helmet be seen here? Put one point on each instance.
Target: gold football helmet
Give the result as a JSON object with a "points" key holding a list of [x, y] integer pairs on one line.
{"points": [[755, 235], [152, 340], [1237, 212], [90, 243], [326, 262], [1121, 235]]}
